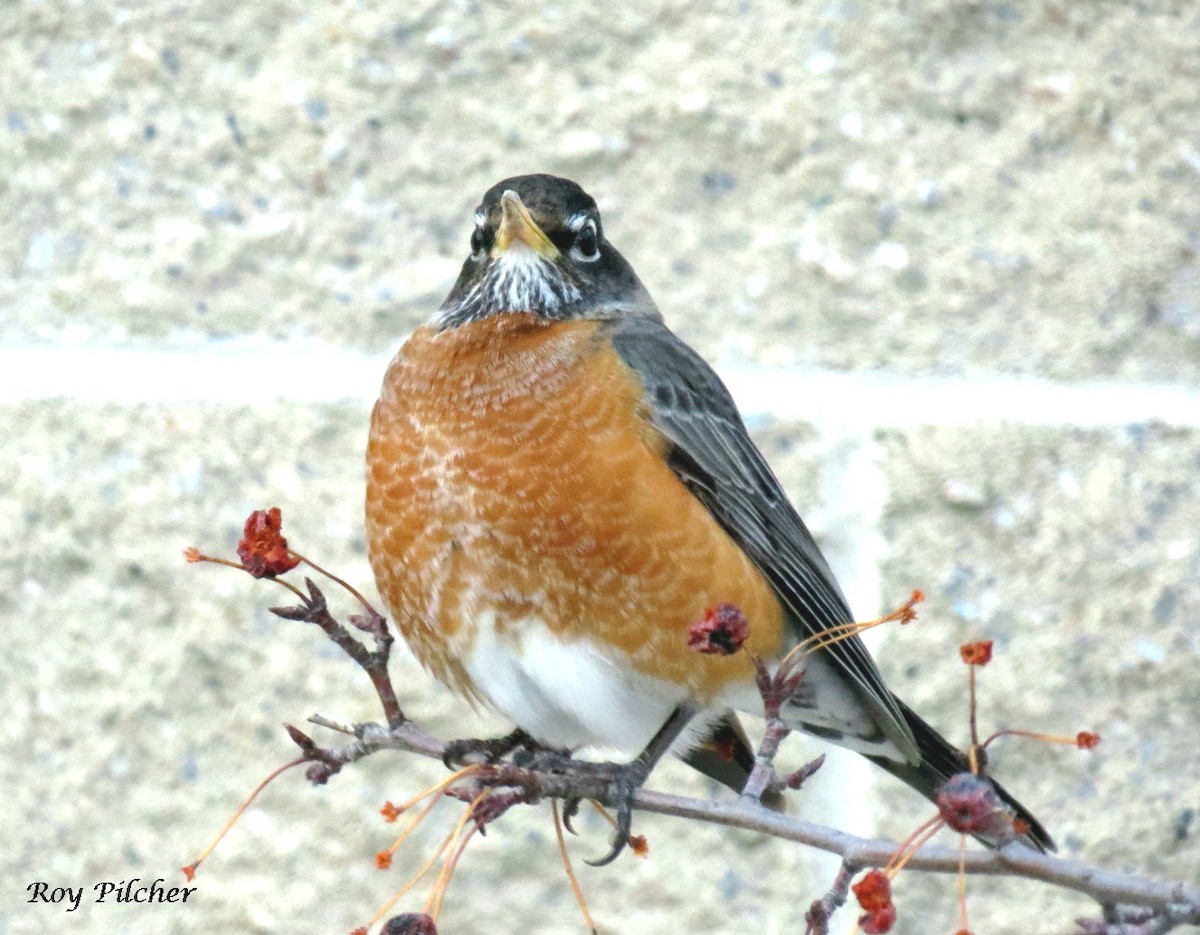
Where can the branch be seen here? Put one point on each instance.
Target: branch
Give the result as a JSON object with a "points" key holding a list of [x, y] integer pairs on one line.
{"points": [[1015, 860]]}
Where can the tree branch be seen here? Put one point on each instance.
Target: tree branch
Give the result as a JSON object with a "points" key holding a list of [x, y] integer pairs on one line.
{"points": [[1107, 887]]}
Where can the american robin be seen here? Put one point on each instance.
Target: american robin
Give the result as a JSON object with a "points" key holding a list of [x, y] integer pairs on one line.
{"points": [[557, 486]]}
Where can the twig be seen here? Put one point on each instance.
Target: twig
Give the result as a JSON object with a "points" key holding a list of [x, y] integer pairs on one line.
{"points": [[775, 690], [314, 609], [1135, 920], [822, 910]]}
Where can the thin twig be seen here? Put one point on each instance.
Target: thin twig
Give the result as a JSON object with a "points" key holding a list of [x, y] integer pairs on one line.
{"points": [[336, 580], [775, 689], [315, 609], [820, 912], [762, 776]]}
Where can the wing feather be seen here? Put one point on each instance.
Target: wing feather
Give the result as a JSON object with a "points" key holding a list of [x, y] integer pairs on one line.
{"points": [[712, 453]]}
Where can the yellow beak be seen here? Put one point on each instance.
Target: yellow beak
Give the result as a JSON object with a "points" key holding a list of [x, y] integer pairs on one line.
{"points": [[517, 224]]}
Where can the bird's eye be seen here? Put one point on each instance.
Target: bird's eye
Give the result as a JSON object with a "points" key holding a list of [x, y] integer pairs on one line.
{"points": [[482, 239], [587, 243]]}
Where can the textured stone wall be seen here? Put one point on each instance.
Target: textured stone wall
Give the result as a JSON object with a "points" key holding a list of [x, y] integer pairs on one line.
{"points": [[946, 253]]}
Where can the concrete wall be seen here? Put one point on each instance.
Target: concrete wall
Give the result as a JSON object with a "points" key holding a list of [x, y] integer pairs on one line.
{"points": [[946, 253]]}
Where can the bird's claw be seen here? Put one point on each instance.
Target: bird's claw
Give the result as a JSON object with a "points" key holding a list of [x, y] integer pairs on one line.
{"points": [[624, 787], [570, 810]]}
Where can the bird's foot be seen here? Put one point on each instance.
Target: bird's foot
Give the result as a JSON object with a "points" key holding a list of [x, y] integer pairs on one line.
{"points": [[619, 781], [624, 783], [487, 750]]}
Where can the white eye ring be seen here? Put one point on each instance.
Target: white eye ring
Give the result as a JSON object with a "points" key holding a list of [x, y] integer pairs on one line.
{"points": [[588, 226]]}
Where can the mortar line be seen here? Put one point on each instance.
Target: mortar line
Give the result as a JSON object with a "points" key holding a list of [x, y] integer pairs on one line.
{"points": [[253, 370]]}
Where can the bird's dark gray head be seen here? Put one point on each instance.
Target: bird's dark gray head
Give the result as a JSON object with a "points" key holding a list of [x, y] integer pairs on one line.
{"points": [[538, 246]]}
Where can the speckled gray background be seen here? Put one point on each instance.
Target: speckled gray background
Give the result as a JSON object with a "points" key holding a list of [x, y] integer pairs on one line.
{"points": [[956, 191]]}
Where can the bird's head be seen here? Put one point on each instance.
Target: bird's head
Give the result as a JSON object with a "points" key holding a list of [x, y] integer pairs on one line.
{"points": [[538, 247]]}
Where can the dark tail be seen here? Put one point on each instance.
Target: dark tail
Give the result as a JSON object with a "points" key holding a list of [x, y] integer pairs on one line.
{"points": [[727, 756], [940, 760]]}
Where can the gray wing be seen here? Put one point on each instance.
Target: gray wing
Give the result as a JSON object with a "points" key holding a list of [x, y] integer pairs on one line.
{"points": [[712, 453]]}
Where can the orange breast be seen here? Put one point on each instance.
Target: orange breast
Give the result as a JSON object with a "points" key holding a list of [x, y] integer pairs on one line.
{"points": [[511, 470]]}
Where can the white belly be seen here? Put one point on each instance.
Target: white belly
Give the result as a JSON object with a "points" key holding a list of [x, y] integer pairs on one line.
{"points": [[574, 692], [567, 692]]}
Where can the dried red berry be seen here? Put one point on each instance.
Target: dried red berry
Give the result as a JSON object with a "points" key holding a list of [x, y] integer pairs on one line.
{"points": [[722, 630], [873, 891], [263, 550], [969, 804], [976, 654], [1086, 740], [410, 923], [879, 921], [383, 860]]}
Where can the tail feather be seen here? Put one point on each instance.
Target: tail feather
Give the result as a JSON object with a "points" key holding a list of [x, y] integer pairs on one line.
{"points": [[940, 760], [727, 756]]}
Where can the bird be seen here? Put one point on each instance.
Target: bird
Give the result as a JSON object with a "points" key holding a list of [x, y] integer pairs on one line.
{"points": [[558, 486]]}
